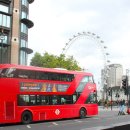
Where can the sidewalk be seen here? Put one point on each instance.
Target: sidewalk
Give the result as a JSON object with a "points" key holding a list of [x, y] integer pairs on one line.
{"points": [[114, 108]]}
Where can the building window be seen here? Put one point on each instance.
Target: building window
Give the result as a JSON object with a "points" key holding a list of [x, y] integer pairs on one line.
{"points": [[23, 57], [23, 54], [4, 49], [4, 8], [23, 43], [5, 20], [4, 52], [24, 28], [24, 15], [4, 40], [25, 2]]}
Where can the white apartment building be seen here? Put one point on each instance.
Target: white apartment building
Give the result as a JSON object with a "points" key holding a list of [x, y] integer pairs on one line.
{"points": [[114, 82]]}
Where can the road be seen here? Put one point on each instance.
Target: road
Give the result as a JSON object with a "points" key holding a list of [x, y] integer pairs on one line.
{"points": [[104, 119]]}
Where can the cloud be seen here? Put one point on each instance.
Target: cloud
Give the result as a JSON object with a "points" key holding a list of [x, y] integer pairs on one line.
{"points": [[57, 21]]}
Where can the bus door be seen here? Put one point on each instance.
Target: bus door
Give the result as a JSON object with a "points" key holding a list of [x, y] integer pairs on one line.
{"points": [[1, 109], [9, 110]]}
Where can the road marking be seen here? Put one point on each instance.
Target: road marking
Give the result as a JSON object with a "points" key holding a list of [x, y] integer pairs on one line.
{"points": [[54, 123], [78, 121], [96, 118], [93, 128], [28, 126]]}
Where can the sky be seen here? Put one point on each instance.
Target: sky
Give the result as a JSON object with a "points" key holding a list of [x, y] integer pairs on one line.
{"points": [[57, 21]]}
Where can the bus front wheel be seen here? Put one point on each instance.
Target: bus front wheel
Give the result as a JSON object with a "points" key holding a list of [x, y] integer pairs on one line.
{"points": [[82, 113], [26, 117]]}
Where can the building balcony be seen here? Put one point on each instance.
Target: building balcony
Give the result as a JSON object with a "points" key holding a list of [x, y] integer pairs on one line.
{"points": [[27, 22], [27, 50], [30, 1], [5, 1], [4, 45]]}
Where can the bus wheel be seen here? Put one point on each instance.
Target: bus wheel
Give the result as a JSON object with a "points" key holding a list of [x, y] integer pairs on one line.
{"points": [[82, 113], [26, 117]]}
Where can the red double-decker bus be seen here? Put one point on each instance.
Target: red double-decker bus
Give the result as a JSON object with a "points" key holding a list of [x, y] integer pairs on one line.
{"points": [[29, 94]]}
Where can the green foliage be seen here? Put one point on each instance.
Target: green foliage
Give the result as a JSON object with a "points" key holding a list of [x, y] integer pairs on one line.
{"points": [[52, 61]]}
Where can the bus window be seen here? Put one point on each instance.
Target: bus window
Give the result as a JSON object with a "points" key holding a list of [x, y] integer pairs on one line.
{"points": [[44, 100], [23, 100], [74, 98], [32, 74], [1, 73], [63, 100], [54, 100], [23, 74], [66, 99], [82, 84], [92, 98], [41, 76], [7, 72], [91, 79], [38, 100], [11, 72], [54, 76], [32, 100]]}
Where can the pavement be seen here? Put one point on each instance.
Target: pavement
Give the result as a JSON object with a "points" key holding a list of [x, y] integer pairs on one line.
{"points": [[113, 108]]}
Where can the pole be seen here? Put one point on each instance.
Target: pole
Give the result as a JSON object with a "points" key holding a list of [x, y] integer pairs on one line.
{"points": [[111, 98], [128, 89]]}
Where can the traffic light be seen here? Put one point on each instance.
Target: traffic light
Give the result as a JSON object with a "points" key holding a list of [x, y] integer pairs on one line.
{"points": [[117, 95], [109, 92], [124, 83], [125, 86]]}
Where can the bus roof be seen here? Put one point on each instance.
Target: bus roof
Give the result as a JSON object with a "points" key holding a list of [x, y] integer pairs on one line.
{"points": [[43, 69]]}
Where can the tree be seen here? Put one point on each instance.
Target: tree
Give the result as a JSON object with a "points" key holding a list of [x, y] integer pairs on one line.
{"points": [[36, 60], [53, 61]]}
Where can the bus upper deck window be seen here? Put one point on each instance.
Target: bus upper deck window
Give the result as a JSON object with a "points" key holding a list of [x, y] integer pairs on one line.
{"points": [[8, 72], [11, 73], [0, 72], [3, 72]]}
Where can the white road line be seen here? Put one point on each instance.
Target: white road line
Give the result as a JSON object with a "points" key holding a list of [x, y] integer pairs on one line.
{"points": [[92, 128], [96, 118], [78, 121], [54, 123], [28, 126]]}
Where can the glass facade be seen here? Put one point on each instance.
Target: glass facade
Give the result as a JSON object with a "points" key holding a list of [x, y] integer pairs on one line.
{"points": [[5, 22], [24, 30], [4, 49], [23, 54], [4, 8], [25, 2], [7, 9]]}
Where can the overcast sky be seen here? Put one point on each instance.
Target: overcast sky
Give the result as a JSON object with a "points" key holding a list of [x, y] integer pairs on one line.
{"points": [[56, 21]]}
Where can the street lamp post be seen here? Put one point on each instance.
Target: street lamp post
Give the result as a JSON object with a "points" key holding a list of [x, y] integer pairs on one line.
{"points": [[111, 98]]}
